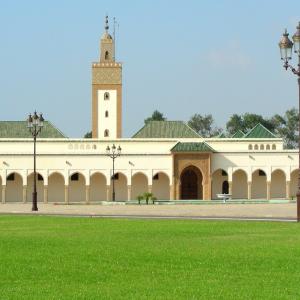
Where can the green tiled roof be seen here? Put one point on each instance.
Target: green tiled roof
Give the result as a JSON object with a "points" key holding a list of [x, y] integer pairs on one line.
{"points": [[166, 129], [259, 131], [221, 135], [192, 147], [238, 134], [18, 129]]}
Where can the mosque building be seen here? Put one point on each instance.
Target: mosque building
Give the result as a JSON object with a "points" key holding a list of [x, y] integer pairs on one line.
{"points": [[167, 158]]}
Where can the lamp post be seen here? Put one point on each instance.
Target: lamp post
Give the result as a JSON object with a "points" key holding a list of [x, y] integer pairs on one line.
{"points": [[35, 125], [286, 47], [113, 153]]}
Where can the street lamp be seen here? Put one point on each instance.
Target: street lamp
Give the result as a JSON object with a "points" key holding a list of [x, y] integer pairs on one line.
{"points": [[113, 153], [35, 125], [286, 47]]}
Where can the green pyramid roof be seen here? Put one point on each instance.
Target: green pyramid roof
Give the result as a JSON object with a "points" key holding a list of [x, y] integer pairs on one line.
{"points": [[238, 134], [166, 129], [192, 147], [18, 129], [260, 132]]}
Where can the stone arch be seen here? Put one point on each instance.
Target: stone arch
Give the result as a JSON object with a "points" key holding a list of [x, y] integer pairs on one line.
{"points": [[139, 184], [259, 184], [255, 147], [273, 147], [239, 184], [39, 187], [250, 147], [219, 176], [98, 187], [56, 187], [268, 147], [161, 186], [262, 147], [14, 187], [106, 56], [191, 183], [77, 187], [278, 184], [120, 186], [294, 183]]}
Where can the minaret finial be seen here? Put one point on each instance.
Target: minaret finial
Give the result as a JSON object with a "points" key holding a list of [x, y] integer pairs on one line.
{"points": [[106, 24]]}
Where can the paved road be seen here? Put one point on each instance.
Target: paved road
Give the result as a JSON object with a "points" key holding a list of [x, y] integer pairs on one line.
{"points": [[219, 211]]}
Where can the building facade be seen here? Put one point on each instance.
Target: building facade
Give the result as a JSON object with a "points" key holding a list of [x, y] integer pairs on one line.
{"points": [[166, 158]]}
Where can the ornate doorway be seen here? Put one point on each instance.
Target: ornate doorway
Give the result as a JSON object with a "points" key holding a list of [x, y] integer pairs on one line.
{"points": [[191, 184]]}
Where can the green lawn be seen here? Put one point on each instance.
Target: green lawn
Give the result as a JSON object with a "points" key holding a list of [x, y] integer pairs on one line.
{"points": [[92, 258]]}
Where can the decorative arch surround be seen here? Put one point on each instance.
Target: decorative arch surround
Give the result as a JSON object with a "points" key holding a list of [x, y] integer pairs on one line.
{"points": [[14, 187], [268, 147], [259, 184], [39, 187], [239, 184], [250, 147], [255, 147], [262, 147], [218, 178], [191, 179], [120, 187], [161, 186], [273, 147], [139, 184], [56, 187], [77, 183], [98, 189], [278, 184]]}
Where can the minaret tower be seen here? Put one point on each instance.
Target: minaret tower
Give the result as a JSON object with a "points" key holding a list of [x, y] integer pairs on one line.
{"points": [[107, 91]]}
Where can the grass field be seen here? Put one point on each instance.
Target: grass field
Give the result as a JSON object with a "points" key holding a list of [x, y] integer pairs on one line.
{"points": [[90, 258]]}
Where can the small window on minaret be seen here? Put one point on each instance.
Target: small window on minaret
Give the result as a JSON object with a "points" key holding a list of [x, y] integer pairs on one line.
{"points": [[106, 55], [106, 114], [106, 96], [106, 133]]}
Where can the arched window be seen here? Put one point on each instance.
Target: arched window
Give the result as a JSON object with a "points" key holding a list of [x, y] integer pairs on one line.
{"points": [[250, 147], [106, 133], [273, 147], [106, 114], [106, 96], [268, 147], [256, 147], [262, 147], [225, 187], [106, 55]]}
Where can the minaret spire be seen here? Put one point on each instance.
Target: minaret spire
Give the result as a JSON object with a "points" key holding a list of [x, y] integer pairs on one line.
{"points": [[106, 27]]}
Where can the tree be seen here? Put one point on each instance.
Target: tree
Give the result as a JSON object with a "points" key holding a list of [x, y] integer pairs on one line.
{"points": [[204, 125], [156, 116], [287, 127], [88, 135], [246, 122]]}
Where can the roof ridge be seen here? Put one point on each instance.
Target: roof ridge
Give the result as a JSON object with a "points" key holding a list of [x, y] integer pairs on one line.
{"points": [[54, 126]]}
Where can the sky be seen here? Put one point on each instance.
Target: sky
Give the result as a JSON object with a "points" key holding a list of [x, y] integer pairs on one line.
{"points": [[181, 57]]}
